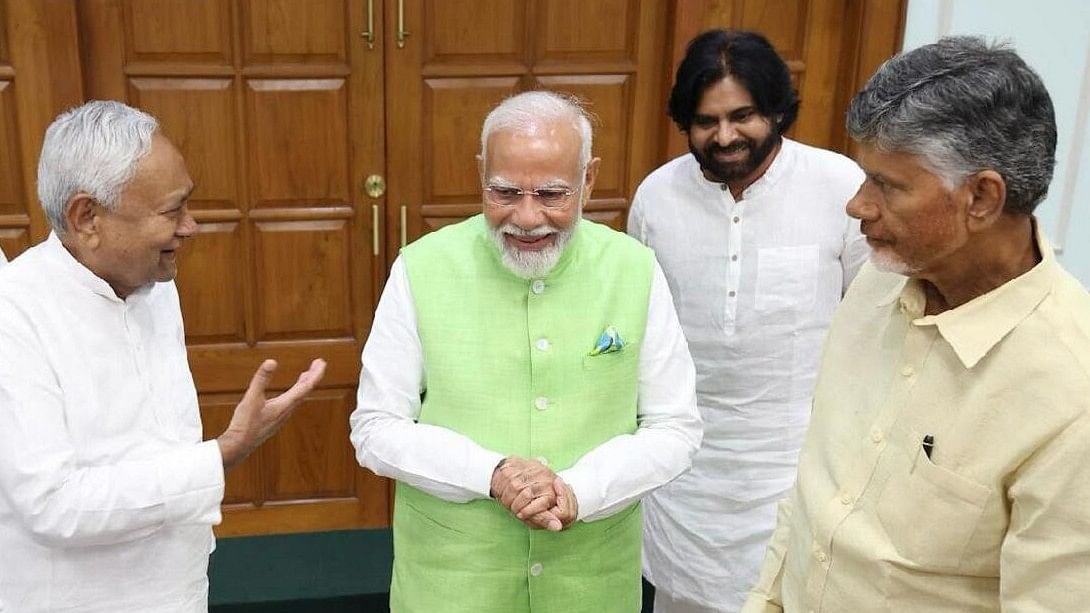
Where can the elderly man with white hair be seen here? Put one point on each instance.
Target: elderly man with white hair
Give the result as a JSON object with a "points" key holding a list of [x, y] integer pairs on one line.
{"points": [[526, 381], [107, 494]]}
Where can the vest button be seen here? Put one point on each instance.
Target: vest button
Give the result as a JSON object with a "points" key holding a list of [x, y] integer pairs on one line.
{"points": [[538, 286], [543, 344], [536, 568], [541, 403]]}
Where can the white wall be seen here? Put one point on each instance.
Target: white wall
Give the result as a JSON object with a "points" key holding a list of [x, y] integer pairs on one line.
{"points": [[1053, 36]]}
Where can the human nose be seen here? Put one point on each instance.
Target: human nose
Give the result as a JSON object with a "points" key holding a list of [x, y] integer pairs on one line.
{"points": [[528, 213], [725, 133], [187, 227], [862, 205]]}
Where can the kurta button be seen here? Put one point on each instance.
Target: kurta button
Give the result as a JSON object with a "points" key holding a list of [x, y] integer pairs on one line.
{"points": [[734, 258], [846, 499], [732, 293], [876, 436], [908, 371], [536, 568], [821, 557], [538, 286], [543, 344], [541, 403], [737, 219]]}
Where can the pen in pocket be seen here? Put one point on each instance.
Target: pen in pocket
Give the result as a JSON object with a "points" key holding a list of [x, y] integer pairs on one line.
{"points": [[928, 445]]}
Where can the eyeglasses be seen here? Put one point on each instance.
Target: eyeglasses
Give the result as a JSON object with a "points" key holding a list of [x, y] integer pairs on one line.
{"points": [[548, 197]]}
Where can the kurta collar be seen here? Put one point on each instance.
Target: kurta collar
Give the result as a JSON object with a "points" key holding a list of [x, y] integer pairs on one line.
{"points": [[977, 326], [83, 275]]}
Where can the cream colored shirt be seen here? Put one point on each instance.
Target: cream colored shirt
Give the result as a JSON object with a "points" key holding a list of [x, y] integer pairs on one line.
{"points": [[998, 517]]}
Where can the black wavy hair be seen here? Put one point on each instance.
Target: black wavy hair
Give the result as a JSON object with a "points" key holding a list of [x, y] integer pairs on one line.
{"points": [[746, 56]]}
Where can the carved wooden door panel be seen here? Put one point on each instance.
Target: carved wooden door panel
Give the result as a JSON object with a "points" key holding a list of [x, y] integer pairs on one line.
{"points": [[273, 104], [459, 59]]}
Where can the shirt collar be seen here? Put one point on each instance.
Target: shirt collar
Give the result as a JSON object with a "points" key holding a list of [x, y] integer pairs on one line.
{"points": [[977, 326], [83, 275]]}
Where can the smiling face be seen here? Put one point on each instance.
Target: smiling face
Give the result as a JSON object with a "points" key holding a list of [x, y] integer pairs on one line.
{"points": [[531, 236], [914, 225], [136, 243], [730, 138]]}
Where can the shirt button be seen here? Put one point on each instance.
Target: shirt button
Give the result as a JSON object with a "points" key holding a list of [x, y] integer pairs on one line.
{"points": [[731, 293], [734, 258], [723, 186], [541, 403], [876, 436], [737, 219], [538, 286], [542, 460], [908, 371], [543, 344], [536, 568]]}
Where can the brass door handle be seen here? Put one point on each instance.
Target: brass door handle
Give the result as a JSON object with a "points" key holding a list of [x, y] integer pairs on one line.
{"points": [[369, 35], [402, 33], [374, 230], [404, 225]]}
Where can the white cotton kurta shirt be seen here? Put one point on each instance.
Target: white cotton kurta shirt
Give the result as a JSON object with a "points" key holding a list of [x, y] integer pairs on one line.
{"points": [[107, 494], [755, 283]]}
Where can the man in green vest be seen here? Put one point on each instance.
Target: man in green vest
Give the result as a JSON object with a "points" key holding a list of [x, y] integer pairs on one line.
{"points": [[526, 381]]}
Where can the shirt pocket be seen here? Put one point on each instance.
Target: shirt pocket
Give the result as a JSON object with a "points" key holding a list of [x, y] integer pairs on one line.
{"points": [[786, 281], [930, 514]]}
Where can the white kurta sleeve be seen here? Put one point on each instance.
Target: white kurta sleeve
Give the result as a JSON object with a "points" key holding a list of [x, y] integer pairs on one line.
{"points": [[65, 500], [387, 438], [627, 467]]}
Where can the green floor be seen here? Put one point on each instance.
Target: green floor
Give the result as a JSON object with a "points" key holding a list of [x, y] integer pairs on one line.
{"points": [[325, 571]]}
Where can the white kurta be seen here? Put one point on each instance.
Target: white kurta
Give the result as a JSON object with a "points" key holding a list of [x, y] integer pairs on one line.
{"points": [[755, 282], [107, 494], [453, 467]]}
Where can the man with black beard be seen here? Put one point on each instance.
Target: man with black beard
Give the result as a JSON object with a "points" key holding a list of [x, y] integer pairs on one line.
{"points": [[751, 232]]}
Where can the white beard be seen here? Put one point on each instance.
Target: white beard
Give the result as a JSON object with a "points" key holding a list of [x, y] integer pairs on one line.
{"points": [[887, 262], [531, 264]]}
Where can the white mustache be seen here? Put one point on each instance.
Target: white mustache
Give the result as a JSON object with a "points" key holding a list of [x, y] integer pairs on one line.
{"points": [[513, 230]]}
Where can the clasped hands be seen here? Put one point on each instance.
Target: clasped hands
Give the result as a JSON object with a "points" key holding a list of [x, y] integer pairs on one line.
{"points": [[534, 494]]}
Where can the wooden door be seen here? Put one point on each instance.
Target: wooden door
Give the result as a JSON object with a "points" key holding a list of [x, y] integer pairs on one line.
{"points": [[274, 105], [831, 48], [39, 77], [461, 58]]}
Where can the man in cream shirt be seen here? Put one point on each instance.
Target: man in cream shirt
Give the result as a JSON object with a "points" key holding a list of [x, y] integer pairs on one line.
{"points": [[107, 494], [947, 466]]}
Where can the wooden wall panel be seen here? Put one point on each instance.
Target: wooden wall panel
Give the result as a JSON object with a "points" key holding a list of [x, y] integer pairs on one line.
{"points": [[211, 289], [297, 132], [189, 31], [198, 115], [12, 191], [303, 279], [454, 110], [453, 32], [312, 455], [561, 37], [289, 31], [243, 482], [609, 99]]}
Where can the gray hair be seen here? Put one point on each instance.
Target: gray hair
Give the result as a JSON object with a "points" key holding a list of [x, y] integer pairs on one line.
{"points": [[963, 106], [522, 111], [93, 148]]}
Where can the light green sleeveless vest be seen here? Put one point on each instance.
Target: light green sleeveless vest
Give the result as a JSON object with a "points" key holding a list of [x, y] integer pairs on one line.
{"points": [[492, 348]]}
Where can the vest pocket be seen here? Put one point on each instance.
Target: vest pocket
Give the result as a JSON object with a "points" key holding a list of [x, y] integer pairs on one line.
{"points": [[931, 513]]}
